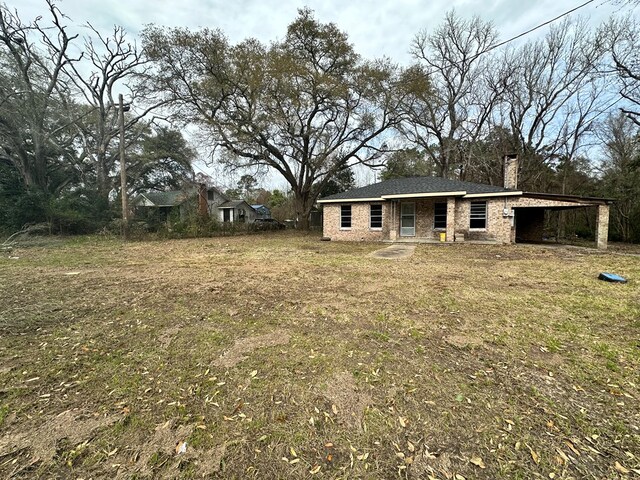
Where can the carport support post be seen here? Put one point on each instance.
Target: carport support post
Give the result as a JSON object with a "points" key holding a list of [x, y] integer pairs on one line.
{"points": [[602, 227]]}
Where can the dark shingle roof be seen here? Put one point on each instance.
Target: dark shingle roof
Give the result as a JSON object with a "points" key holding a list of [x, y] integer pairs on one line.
{"points": [[416, 185], [231, 204], [167, 199]]}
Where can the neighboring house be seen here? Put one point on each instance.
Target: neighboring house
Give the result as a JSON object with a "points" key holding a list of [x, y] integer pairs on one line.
{"points": [[164, 202], [236, 211], [208, 200], [262, 211], [433, 209]]}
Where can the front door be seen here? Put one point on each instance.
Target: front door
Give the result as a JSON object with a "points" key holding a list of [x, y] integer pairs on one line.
{"points": [[226, 214], [408, 219]]}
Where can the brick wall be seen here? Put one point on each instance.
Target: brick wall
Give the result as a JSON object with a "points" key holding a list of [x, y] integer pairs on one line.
{"points": [[498, 227], [424, 219], [539, 202], [359, 230]]}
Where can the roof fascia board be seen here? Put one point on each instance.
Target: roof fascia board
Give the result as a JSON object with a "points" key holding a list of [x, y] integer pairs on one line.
{"points": [[351, 200], [570, 198], [492, 194], [422, 195]]}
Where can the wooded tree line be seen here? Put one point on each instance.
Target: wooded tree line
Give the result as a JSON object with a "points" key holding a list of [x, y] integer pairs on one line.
{"points": [[59, 134], [308, 107]]}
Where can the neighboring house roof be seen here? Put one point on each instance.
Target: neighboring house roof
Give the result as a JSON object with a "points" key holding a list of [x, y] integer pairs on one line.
{"points": [[232, 204], [418, 187], [258, 207], [163, 199], [172, 198]]}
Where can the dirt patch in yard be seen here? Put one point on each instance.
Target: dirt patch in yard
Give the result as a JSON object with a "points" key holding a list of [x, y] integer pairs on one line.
{"points": [[463, 341], [75, 426], [543, 356], [168, 449], [395, 252], [349, 401], [168, 335], [428, 465], [244, 346]]}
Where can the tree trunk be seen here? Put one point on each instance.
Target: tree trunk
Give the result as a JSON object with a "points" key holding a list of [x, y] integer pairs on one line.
{"points": [[304, 204], [102, 178]]}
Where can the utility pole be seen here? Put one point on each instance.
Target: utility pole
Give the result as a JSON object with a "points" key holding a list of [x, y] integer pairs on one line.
{"points": [[123, 173]]}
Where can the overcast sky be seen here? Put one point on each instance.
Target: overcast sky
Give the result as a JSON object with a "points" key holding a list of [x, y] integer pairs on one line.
{"points": [[376, 27]]}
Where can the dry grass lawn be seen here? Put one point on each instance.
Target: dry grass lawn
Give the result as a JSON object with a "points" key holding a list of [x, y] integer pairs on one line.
{"points": [[280, 356]]}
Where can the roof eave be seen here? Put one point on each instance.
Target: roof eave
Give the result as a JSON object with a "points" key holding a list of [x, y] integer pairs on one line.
{"points": [[350, 200], [424, 195], [493, 194], [571, 198]]}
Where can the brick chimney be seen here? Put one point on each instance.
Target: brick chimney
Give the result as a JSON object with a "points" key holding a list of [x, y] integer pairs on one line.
{"points": [[511, 171], [203, 207]]}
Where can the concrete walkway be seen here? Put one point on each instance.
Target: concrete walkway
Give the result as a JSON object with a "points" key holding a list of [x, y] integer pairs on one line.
{"points": [[395, 251]]}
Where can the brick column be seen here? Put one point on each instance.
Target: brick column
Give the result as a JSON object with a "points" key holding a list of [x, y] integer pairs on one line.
{"points": [[393, 217], [602, 227], [451, 218]]}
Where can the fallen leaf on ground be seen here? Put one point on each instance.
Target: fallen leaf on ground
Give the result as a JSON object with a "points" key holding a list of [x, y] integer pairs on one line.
{"points": [[573, 449], [534, 455], [621, 469], [477, 461]]}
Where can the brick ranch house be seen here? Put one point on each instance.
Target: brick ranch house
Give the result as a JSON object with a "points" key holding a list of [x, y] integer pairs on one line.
{"points": [[423, 209]]}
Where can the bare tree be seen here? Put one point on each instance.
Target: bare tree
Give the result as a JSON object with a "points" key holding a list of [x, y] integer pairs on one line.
{"points": [[116, 66], [462, 88], [621, 36], [34, 97], [620, 173], [555, 96]]}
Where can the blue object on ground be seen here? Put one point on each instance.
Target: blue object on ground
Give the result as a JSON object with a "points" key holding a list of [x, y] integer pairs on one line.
{"points": [[611, 277]]}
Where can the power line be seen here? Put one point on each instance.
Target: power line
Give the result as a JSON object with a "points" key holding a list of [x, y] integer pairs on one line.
{"points": [[568, 12]]}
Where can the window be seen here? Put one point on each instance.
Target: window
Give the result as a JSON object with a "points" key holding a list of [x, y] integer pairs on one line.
{"points": [[210, 195], [440, 216], [345, 216], [375, 216], [478, 217]]}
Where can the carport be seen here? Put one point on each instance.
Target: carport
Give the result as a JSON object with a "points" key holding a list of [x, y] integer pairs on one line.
{"points": [[531, 207]]}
